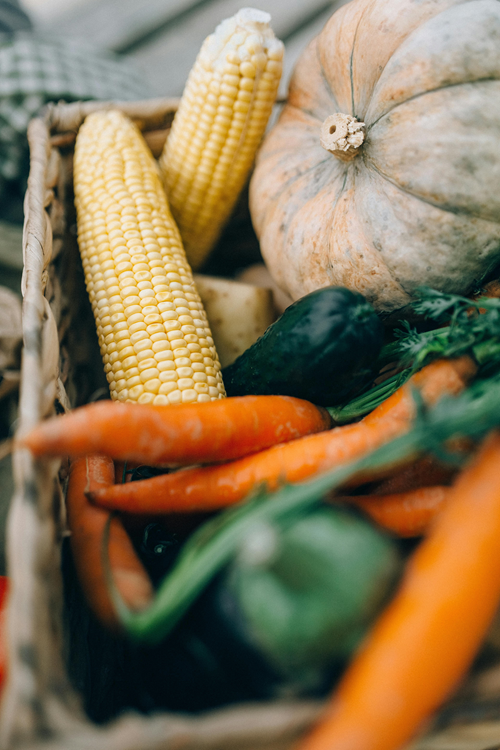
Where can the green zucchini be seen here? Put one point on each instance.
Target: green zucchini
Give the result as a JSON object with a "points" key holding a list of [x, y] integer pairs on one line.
{"points": [[324, 348]]}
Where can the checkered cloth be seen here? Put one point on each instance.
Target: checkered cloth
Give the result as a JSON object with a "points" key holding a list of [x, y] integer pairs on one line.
{"points": [[35, 70]]}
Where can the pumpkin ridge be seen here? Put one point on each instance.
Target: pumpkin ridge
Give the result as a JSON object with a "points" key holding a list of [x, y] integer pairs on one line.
{"points": [[391, 271], [351, 63], [452, 16], [404, 309], [431, 91], [291, 180], [272, 204], [284, 146], [369, 243], [341, 191], [402, 41], [448, 209], [325, 79], [306, 111]]}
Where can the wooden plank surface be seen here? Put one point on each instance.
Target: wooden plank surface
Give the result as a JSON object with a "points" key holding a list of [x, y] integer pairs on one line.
{"points": [[117, 25], [45, 11], [167, 60], [164, 36]]}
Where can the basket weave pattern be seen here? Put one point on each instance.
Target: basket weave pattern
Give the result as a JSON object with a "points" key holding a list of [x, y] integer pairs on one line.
{"points": [[61, 367]]}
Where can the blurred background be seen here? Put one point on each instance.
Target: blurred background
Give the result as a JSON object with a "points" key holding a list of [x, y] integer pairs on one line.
{"points": [[163, 36]]}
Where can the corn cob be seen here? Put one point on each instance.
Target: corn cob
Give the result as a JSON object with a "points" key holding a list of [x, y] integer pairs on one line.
{"points": [[218, 127], [153, 332]]}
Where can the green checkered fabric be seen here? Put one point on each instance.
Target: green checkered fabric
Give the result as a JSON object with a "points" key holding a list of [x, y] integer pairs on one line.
{"points": [[35, 70]]}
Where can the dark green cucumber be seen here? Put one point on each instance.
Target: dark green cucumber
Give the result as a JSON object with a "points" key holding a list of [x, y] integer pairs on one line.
{"points": [[324, 348]]}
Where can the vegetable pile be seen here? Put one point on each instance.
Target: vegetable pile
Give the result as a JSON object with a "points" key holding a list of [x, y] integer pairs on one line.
{"points": [[323, 348], [244, 531], [282, 557]]}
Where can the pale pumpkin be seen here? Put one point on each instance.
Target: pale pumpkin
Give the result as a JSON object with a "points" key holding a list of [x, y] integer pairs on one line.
{"points": [[415, 196]]}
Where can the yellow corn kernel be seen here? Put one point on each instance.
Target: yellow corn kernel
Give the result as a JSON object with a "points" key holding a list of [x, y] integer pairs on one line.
{"points": [[146, 307], [218, 127]]}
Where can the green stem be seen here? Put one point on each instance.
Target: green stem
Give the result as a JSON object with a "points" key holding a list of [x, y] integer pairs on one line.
{"points": [[471, 414], [202, 559], [369, 400], [486, 351]]}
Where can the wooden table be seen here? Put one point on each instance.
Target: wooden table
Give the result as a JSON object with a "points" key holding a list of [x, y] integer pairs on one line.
{"points": [[164, 36]]}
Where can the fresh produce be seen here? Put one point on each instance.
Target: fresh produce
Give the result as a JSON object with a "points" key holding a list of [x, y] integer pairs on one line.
{"points": [[238, 314], [191, 433], [425, 472], [88, 525], [326, 570], [464, 327], [213, 487], [326, 574], [406, 514], [471, 414], [323, 348], [381, 174], [153, 332], [218, 127], [258, 274], [426, 639]]}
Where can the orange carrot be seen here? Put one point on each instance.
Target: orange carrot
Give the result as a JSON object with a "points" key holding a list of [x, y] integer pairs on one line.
{"points": [[427, 638], [87, 524], [425, 472], [490, 290], [212, 487], [406, 514], [186, 434]]}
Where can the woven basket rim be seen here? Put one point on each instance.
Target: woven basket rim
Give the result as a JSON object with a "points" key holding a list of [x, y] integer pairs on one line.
{"points": [[64, 116]]}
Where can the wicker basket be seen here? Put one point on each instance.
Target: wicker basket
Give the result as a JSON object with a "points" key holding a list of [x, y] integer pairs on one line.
{"points": [[62, 368]]}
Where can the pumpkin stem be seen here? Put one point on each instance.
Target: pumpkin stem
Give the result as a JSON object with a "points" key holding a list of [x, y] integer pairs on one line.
{"points": [[342, 135]]}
